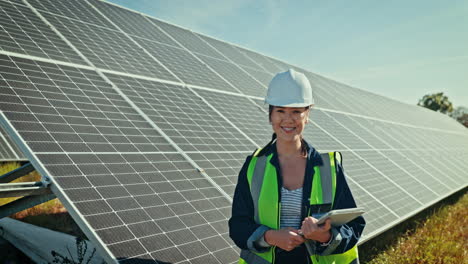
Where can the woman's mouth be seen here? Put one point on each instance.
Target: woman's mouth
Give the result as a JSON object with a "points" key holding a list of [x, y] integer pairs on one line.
{"points": [[288, 129]]}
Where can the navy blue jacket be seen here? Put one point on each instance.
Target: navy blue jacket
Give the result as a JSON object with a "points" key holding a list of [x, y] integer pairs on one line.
{"points": [[244, 231]]}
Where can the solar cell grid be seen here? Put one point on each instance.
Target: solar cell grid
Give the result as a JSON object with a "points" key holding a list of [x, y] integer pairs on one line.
{"points": [[185, 66], [376, 214], [68, 109], [416, 136], [443, 141], [20, 2], [384, 109], [357, 100], [425, 176], [188, 39], [261, 76], [427, 162], [391, 169], [448, 165], [8, 149], [108, 49], [461, 156], [147, 202], [133, 23], [280, 64], [242, 113], [397, 133], [183, 116], [6, 152], [235, 76], [376, 184], [379, 128], [261, 60], [23, 32], [223, 168], [360, 131], [321, 140], [327, 94], [322, 98], [338, 130], [75, 9], [230, 52]]}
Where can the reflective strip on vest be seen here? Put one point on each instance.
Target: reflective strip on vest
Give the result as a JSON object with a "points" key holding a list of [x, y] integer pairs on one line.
{"points": [[348, 257], [257, 183], [326, 179], [247, 256]]}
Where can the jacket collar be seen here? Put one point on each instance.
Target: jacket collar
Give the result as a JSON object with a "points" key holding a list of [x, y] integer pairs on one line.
{"points": [[313, 155]]}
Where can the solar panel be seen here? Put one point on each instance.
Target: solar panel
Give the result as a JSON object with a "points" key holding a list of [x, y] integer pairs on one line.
{"points": [[223, 168], [385, 191], [260, 76], [377, 214], [421, 174], [133, 24], [108, 48], [230, 52], [246, 116], [9, 151], [141, 127], [359, 131], [260, 60], [23, 32], [236, 76], [188, 39], [337, 130], [185, 66], [182, 115], [111, 180], [73, 9]]}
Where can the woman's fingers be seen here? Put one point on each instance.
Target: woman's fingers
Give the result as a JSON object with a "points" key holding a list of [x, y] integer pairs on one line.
{"points": [[327, 225]]}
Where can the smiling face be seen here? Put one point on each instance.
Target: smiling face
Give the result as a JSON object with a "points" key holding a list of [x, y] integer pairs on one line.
{"points": [[288, 122]]}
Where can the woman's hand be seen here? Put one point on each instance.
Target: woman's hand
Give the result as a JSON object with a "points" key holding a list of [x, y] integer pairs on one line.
{"points": [[320, 233], [286, 238]]}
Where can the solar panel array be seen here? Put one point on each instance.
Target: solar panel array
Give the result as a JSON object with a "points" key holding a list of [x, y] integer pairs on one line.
{"points": [[142, 126], [9, 151]]}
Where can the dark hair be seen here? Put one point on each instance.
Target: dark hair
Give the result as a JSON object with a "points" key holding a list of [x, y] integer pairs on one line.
{"points": [[273, 137], [271, 107]]}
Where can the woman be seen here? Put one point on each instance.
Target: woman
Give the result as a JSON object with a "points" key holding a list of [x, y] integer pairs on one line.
{"points": [[284, 187]]}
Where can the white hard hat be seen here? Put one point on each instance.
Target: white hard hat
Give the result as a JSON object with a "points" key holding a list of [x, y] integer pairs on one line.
{"points": [[289, 89]]}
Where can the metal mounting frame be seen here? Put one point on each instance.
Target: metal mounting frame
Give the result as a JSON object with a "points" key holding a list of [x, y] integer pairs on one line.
{"points": [[17, 173]]}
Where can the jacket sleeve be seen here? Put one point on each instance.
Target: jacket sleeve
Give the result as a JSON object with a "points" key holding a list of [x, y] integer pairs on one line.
{"points": [[243, 229], [346, 236]]}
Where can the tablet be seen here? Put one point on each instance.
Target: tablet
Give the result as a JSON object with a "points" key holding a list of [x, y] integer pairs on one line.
{"points": [[341, 216]]}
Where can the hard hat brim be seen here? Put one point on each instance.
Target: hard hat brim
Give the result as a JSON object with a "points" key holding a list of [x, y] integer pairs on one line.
{"points": [[288, 105]]}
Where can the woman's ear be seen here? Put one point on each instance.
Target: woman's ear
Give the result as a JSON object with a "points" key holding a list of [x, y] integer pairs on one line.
{"points": [[307, 116]]}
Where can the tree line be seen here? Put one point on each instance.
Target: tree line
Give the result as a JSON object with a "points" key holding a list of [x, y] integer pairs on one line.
{"points": [[440, 103]]}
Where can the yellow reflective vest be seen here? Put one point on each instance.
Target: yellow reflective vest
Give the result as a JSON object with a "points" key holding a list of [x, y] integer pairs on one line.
{"points": [[263, 184]]}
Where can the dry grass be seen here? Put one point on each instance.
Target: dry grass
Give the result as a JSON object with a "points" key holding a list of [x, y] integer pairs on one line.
{"points": [[441, 239], [51, 207]]}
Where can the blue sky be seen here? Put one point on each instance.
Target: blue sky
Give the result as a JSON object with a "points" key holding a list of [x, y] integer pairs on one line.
{"points": [[400, 49]]}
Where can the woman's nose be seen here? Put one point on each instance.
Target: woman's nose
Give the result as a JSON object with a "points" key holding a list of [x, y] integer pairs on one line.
{"points": [[288, 116]]}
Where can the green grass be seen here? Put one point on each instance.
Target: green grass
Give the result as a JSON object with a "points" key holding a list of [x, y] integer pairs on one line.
{"points": [[442, 238]]}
